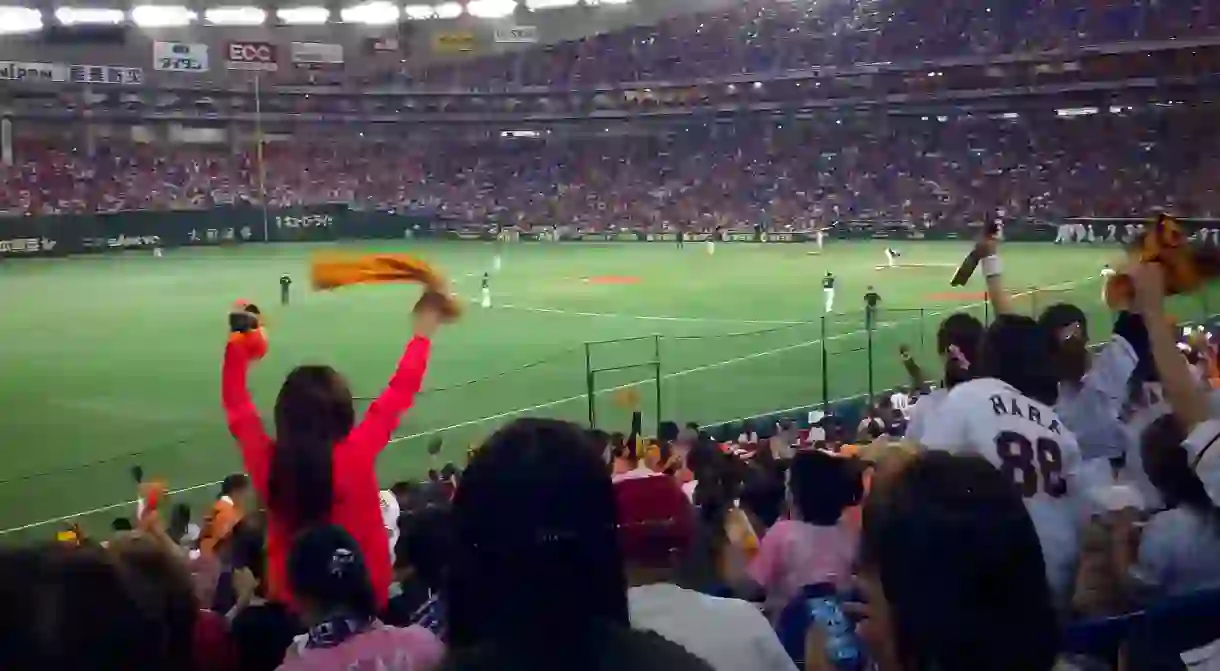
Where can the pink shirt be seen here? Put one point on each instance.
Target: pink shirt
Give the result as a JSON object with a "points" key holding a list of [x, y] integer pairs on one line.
{"points": [[382, 648], [794, 554]]}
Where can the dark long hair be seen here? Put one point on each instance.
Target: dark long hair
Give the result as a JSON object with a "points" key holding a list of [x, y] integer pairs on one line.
{"points": [[1019, 351], [964, 332], [961, 566], [1069, 329], [1167, 466], [312, 412], [535, 561]]}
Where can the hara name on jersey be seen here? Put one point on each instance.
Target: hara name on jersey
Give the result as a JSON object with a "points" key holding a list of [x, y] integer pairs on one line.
{"points": [[1020, 406]]}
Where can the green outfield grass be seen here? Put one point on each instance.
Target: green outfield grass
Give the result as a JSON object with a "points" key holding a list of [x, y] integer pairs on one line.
{"points": [[111, 361]]}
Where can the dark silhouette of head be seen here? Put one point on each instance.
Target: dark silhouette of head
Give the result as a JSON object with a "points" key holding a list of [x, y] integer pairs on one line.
{"points": [[84, 608], [1069, 327], [313, 412], [950, 553], [535, 556], [1019, 351], [328, 575], [1167, 465], [957, 341], [822, 486]]}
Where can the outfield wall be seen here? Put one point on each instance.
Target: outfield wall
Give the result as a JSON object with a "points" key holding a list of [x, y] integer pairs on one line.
{"points": [[60, 235]]}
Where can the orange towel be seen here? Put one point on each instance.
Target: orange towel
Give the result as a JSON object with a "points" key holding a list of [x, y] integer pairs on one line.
{"points": [[333, 271], [1187, 267]]}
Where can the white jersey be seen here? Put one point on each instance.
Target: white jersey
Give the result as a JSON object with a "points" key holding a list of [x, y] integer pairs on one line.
{"points": [[921, 414], [1030, 445]]}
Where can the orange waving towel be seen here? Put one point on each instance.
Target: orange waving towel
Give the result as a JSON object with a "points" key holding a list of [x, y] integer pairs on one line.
{"points": [[333, 271], [1187, 266]]}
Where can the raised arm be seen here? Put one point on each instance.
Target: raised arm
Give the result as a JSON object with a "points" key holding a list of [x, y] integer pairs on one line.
{"points": [[991, 267], [374, 431], [241, 415], [1185, 394]]}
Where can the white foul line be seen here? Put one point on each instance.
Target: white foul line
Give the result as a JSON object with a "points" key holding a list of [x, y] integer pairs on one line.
{"points": [[551, 404], [652, 318]]}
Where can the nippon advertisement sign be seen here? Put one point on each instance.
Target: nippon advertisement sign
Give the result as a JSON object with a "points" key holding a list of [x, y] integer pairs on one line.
{"points": [[517, 34], [316, 55], [12, 71], [180, 57], [251, 56]]}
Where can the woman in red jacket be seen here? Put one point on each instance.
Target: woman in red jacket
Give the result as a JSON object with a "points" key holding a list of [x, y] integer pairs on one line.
{"points": [[320, 468]]}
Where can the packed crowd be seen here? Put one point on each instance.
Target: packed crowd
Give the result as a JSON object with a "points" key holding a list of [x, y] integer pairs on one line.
{"points": [[1035, 486], [780, 174], [763, 36]]}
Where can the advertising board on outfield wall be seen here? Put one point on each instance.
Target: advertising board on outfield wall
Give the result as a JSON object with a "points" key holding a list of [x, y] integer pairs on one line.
{"points": [[453, 42], [106, 74], [251, 56], [316, 55], [180, 57], [13, 71], [517, 34]]}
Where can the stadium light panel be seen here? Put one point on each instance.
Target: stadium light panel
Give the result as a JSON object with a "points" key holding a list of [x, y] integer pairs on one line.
{"points": [[491, 9], [235, 16], [75, 16], [303, 16], [448, 10], [370, 13], [14, 20], [419, 12], [550, 4], [162, 16]]}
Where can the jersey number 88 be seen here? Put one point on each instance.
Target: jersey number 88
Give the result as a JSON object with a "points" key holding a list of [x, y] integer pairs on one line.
{"points": [[1034, 466]]}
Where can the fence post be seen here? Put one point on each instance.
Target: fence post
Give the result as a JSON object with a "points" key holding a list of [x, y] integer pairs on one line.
{"points": [[825, 370], [868, 328], [923, 336], [589, 386], [656, 354]]}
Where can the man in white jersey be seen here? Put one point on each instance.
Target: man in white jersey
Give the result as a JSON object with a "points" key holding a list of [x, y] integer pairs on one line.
{"points": [[1106, 273], [891, 255], [1028, 443], [820, 236]]}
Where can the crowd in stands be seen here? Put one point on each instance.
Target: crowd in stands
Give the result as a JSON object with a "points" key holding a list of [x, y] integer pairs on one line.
{"points": [[1037, 487], [764, 36], [781, 174]]}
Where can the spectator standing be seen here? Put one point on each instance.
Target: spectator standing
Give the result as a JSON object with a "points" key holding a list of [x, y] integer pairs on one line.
{"points": [[536, 578], [656, 529], [951, 573], [1178, 550], [1006, 416], [957, 342], [226, 512], [335, 596], [299, 475]]}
